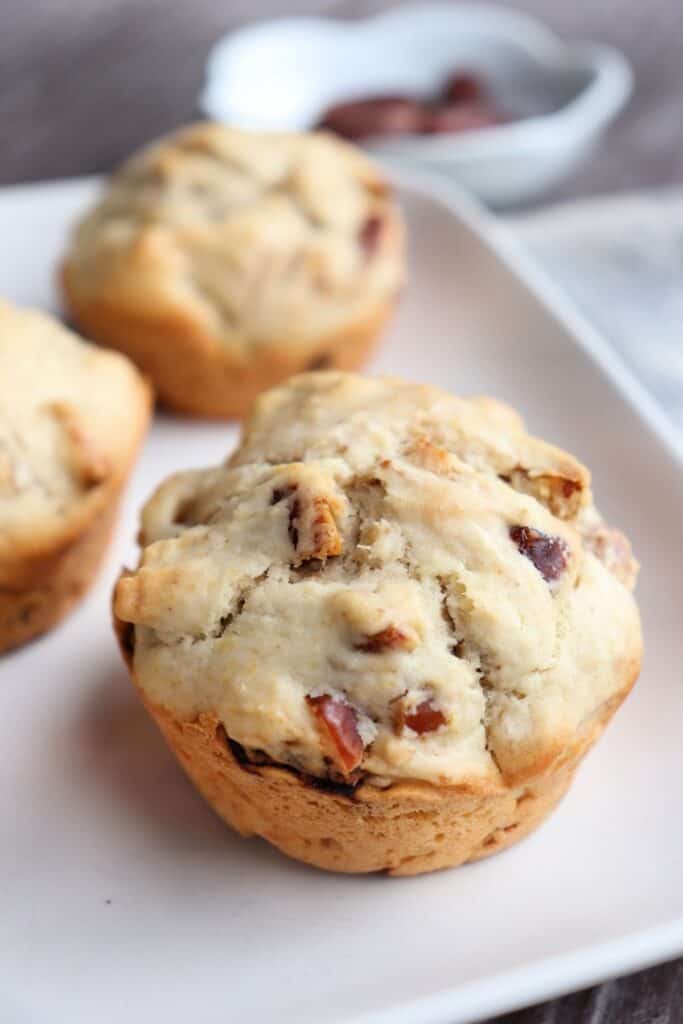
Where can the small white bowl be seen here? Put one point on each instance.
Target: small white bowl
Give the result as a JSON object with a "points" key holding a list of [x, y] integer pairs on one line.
{"points": [[282, 75]]}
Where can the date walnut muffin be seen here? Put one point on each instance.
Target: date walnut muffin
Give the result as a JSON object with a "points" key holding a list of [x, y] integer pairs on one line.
{"points": [[71, 420], [223, 261], [383, 635]]}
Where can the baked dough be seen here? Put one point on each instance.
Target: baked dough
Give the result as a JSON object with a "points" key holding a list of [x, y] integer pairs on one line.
{"points": [[72, 418], [390, 608], [223, 261]]}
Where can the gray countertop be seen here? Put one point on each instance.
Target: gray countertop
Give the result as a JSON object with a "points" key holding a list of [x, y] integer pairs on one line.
{"points": [[82, 82]]}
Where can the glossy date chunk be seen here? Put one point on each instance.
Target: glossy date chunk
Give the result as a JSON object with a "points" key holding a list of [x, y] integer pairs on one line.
{"points": [[338, 723], [548, 554]]}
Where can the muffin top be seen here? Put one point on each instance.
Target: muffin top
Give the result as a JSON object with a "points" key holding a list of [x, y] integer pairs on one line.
{"points": [[385, 581], [247, 239], [71, 416]]}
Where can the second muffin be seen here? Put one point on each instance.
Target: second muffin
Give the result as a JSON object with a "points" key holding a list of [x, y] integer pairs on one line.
{"points": [[72, 419], [223, 261]]}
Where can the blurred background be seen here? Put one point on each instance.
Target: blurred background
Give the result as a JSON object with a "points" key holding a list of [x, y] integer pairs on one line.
{"points": [[83, 82]]}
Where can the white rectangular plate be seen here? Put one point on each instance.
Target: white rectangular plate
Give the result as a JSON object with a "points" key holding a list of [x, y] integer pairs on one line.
{"points": [[124, 898]]}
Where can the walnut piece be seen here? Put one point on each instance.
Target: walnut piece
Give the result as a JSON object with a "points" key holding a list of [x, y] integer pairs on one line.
{"points": [[563, 494], [425, 717], [313, 530], [425, 454], [90, 465]]}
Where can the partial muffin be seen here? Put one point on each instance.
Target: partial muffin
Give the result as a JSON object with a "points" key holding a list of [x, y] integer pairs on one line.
{"points": [[72, 418], [223, 261], [383, 635]]}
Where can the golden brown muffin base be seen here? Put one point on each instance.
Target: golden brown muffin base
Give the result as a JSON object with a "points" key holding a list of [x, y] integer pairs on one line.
{"points": [[65, 574], [43, 582], [408, 828], [196, 374]]}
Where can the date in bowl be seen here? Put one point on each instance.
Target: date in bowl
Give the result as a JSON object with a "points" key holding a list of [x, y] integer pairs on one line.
{"points": [[557, 97]]}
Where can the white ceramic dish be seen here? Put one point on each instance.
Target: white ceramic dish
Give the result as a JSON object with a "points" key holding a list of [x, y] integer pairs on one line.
{"points": [[124, 898], [282, 75]]}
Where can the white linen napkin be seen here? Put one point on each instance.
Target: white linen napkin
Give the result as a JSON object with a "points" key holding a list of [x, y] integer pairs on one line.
{"points": [[621, 261]]}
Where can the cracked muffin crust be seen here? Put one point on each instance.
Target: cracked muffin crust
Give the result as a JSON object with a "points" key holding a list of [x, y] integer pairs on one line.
{"points": [[385, 632], [71, 420], [223, 261]]}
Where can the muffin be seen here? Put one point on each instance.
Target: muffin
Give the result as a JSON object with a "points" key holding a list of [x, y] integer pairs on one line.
{"points": [[71, 421], [383, 635], [222, 262]]}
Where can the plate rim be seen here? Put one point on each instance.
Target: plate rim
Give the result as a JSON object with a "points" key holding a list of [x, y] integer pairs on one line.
{"points": [[501, 239], [515, 989]]}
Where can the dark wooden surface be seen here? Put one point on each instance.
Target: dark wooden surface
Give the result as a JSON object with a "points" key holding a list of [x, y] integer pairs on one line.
{"points": [[649, 997], [82, 82]]}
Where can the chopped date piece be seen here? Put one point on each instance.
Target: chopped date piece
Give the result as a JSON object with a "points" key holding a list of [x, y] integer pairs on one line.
{"points": [[425, 717], [462, 105], [370, 234], [463, 87], [458, 117], [388, 639], [338, 723], [380, 115], [548, 554]]}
